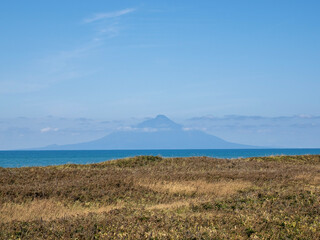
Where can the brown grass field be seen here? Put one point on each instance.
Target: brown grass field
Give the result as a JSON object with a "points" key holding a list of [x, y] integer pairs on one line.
{"points": [[150, 197]]}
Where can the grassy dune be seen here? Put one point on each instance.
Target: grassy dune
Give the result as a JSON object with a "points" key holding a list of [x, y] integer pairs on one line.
{"points": [[164, 198]]}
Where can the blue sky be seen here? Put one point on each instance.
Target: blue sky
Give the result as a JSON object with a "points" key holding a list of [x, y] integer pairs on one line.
{"points": [[116, 60]]}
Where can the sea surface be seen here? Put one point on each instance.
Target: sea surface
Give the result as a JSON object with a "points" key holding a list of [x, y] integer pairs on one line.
{"points": [[46, 158]]}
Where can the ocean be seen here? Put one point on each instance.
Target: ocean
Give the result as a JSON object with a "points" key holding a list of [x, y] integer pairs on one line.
{"points": [[10, 159]]}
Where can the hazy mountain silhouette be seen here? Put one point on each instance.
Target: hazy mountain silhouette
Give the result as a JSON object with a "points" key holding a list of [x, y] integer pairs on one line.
{"points": [[156, 133], [160, 122]]}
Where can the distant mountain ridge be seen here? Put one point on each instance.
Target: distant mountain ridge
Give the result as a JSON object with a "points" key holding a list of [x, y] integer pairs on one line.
{"points": [[156, 133]]}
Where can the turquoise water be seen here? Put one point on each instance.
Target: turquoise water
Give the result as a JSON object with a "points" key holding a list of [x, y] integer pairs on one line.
{"points": [[45, 158]]}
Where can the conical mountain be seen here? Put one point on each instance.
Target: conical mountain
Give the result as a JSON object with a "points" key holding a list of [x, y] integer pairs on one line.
{"points": [[156, 133], [159, 122]]}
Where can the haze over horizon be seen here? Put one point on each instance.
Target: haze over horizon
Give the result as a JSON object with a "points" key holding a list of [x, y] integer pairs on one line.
{"points": [[246, 71], [283, 131]]}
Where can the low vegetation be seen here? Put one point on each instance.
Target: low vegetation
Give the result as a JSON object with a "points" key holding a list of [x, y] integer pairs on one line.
{"points": [[149, 197]]}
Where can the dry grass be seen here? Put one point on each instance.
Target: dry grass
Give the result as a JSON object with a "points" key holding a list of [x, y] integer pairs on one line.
{"points": [[220, 188], [170, 206], [47, 210], [154, 198], [309, 177]]}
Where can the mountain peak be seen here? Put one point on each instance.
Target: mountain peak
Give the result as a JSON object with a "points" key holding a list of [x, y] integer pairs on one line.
{"points": [[160, 122], [163, 117]]}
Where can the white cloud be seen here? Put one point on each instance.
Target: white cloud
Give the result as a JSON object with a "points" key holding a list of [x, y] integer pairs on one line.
{"points": [[49, 129], [125, 128], [150, 129], [133, 129], [100, 16]]}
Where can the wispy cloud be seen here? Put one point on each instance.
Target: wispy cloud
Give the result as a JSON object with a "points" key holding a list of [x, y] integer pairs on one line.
{"points": [[255, 118], [101, 16], [68, 64], [49, 129]]}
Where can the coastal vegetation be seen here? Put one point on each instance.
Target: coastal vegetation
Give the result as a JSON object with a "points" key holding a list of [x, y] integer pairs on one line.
{"points": [[150, 197]]}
